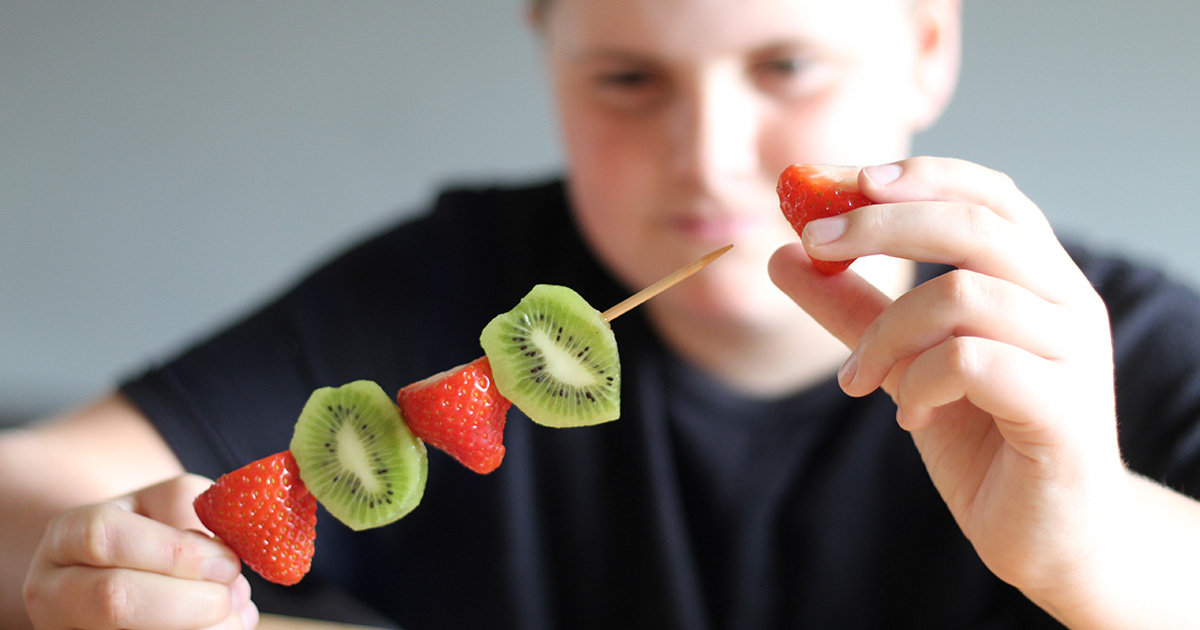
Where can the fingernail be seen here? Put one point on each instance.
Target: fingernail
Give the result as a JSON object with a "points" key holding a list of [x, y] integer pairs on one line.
{"points": [[827, 230], [848, 370], [219, 569], [883, 174]]}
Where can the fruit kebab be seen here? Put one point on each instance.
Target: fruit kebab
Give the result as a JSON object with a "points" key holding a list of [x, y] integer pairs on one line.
{"points": [[554, 356], [363, 456]]}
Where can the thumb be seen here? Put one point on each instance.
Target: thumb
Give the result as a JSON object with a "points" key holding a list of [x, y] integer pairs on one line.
{"points": [[845, 304]]}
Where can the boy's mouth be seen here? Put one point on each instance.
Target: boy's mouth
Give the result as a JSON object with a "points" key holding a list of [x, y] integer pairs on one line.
{"points": [[722, 228]]}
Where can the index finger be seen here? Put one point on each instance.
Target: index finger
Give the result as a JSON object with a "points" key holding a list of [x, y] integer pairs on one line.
{"points": [[951, 180], [954, 213], [109, 535]]}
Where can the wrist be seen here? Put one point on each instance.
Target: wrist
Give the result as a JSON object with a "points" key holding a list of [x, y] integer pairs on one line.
{"points": [[1138, 567], [1089, 561]]}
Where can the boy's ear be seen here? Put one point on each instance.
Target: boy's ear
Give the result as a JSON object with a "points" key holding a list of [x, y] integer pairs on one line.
{"points": [[938, 26]]}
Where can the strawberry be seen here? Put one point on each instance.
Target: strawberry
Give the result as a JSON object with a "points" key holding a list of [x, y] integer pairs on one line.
{"points": [[265, 514], [808, 192], [460, 412]]}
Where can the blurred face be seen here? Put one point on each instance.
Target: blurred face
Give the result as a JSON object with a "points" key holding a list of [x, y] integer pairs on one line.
{"points": [[679, 115]]}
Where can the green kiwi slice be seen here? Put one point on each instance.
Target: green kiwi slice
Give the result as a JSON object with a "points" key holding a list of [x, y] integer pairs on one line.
{"points": [[556, 359], [357, 456]]}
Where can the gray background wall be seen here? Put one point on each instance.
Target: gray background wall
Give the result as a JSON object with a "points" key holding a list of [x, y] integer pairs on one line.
{"points": [[164, 165]]}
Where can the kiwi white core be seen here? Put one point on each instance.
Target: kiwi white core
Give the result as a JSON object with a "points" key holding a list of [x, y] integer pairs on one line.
{"points": [[561, 364], [353, 457]]}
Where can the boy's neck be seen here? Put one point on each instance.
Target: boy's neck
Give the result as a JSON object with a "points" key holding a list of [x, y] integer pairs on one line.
{"points": [[768, 360], [757, 363]]}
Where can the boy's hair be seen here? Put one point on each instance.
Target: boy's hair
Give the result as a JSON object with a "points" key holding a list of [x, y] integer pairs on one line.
{"points": [[538, 8]]}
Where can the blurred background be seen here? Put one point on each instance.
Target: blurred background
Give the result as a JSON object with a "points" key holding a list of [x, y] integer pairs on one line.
{"points": [[165, 166]]}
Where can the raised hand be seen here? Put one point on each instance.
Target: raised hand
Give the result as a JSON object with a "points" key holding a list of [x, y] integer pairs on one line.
{"points": [[1001, 369]]}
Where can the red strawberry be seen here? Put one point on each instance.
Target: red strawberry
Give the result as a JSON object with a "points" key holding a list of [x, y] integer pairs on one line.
{"points": [[460, 412], [808, 192], [265, 514]]}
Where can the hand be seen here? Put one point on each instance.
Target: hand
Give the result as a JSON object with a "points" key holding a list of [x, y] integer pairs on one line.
{"points": [[139, 561], [1001, 370]]}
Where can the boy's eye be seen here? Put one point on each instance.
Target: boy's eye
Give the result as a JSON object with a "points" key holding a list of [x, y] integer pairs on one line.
{"points": [[625, 78], [632, 89], [783, 66], [780, 69], [788, 75]]}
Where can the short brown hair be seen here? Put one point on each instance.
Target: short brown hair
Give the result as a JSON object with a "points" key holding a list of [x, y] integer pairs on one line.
{"points": [[538, 8]]}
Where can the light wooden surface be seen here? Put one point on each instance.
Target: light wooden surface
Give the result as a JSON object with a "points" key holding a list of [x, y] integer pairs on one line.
{"points": [[275, 622]]}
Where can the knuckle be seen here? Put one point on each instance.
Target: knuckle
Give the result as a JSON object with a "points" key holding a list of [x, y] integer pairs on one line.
{"points": [[112, 600], [981, 223], [96, 531], [80, 534], [966, 358], [55, 533], [960, 289]]}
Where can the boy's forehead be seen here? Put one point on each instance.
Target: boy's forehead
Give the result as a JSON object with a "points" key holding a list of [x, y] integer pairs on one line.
{"points": [[686, 26]]}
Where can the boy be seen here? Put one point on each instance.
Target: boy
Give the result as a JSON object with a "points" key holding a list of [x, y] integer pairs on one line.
{"points": [[741, 488]]}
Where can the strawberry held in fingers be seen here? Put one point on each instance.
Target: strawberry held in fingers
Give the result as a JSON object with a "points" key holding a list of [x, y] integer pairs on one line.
{"points": [[808, 192], [266, 515], [460, 412]]}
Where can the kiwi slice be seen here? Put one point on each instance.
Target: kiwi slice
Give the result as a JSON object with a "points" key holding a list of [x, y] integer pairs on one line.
{"points": [[556, 359], [357, 456]]}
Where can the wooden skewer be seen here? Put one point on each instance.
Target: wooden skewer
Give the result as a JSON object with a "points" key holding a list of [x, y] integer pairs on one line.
{"points": [[667, 282]]}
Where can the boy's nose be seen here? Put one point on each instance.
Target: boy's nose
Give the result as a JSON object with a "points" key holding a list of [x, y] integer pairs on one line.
{"points": [[715, 132]]}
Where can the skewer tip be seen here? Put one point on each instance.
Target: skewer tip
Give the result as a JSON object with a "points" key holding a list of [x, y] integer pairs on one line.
{"points": [[665, 283]]}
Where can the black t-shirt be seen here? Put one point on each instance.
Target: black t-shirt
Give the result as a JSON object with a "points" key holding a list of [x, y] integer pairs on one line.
{"points": [[697, 509]]}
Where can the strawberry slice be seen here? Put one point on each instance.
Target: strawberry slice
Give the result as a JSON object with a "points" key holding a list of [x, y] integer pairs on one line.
{"points": [[808, 192], [265, 514], [460, 412]]}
